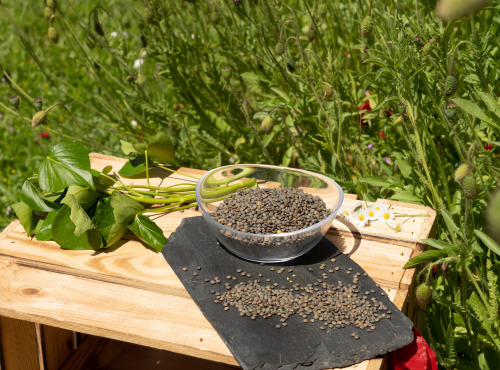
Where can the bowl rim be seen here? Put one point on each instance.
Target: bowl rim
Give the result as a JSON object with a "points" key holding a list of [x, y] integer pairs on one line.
{"points": [[315, 226]]}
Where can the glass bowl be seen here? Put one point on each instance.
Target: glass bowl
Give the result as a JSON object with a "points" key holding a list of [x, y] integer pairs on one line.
{"points": [[222, 182]]}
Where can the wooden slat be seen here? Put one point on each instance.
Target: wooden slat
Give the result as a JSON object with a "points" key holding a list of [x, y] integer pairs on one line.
{"points": [[58, 344], [19, 343], [109, 310]]}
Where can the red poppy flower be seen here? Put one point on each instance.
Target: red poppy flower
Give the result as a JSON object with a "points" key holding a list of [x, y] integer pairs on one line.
{"points": [[415, 356], [488, 146], [364, 106], [382, 135], [44, 135], [387, 113]]}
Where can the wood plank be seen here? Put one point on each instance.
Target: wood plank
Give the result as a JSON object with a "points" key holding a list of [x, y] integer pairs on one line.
{"points": [[58, 344], [94, 353], [134, 265], [19, 344], [109, 310]]}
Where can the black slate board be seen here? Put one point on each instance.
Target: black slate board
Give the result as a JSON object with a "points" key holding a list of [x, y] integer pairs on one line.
{"points": [[258, 344]]}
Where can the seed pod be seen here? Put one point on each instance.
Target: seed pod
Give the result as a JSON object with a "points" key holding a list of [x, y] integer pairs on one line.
{"points": [[51, 4], [469, 187], [461, 172], [267, 124], [423, 294], [90, 41], [327, 91], [48, 13], [227, 73], [493, 215], [450, 85], [141, 79], [322, 11], [450, 110], [366, 26], [401, 108], [279, 49], [14, 101], [426, 50], [97, 24], [53, 35], [290, 65], [38, 103], [38, 118]]}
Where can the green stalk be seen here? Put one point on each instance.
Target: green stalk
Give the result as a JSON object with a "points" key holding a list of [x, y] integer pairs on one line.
{"points": [[169, 208], [227, 189], [182, 199], [163, 167], [247, 171]]}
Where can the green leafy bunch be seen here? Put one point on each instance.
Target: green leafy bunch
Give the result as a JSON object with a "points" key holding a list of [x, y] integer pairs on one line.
{"points": [[81, 208]]}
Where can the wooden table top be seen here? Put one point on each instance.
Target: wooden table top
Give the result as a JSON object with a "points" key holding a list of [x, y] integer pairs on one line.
{"points": [[130, 293]]}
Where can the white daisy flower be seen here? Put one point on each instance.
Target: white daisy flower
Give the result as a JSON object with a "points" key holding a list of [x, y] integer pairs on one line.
{"points": [[359, 218], [133, 123], [386, 214], [372, 213], [113, 34], [144, 53], [344, 213], [138, 63]]}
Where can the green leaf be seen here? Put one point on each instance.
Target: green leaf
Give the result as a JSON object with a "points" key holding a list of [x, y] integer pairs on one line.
{"points": [[127, 147], [45, 232], [32, 197], [287, 157], [113, 214], [78, 216], [490, 102], [28, 219], [107, 169], [63, 232], [474, 110], [482, 314], [406, 196], [376, 181], [403, 165], [66, 164], [134, 167], [438, 244], [448, 219], [161, 149], [86, 197], [424, 257], [489, 242], [148, 232]]}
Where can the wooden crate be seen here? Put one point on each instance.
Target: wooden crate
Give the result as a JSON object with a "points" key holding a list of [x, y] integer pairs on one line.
{"points": [[128, 298]]}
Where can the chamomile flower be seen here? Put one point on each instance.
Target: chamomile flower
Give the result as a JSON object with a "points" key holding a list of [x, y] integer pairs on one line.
{"points": [[386, 214], [359, 218], [398, 228], [372, 213], [344, 213], [138, 63], [133, 124]]}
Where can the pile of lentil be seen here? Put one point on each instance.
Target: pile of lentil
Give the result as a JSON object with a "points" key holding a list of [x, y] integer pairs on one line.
{"points": [[329, 305], [270, 211]]}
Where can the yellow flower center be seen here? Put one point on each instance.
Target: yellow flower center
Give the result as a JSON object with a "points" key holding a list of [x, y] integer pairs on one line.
{"points": [[387, 215], [361, 217], [377, 208], [398, 229], [371, 213], [13, 171], [346, 212]]}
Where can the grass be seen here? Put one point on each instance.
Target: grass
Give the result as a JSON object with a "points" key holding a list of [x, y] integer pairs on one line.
{"points": [[367, 110]]}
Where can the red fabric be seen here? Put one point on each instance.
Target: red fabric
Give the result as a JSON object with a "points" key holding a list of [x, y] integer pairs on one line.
{"points": [[415, 356]]}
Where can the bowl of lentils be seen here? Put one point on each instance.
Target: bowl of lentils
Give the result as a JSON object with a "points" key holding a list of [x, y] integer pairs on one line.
{"points": [[266, 213]]}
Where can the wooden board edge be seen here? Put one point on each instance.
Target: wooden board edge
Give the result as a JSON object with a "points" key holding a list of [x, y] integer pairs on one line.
{"points": [[400, 298], [8, 229], [407, 278]]}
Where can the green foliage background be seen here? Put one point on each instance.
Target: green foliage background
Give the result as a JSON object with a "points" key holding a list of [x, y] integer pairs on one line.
{"points": [[366, 111]]}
